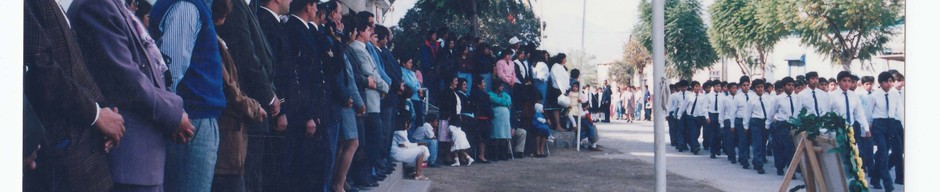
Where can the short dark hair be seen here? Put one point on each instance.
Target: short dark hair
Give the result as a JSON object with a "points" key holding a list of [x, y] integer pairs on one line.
{"points": [[363, 16], [833, 79], [575, 73], [822, 80], [220, 9], [744, 78], [757, 82], [786, 80], [870, 79], [843, 74], [799, 82], [884, 76], [682, 83], [812, 74], [778, 85], [431, 118], [298, 5], [732, 85], [898, 76], [694, 83], [428, 34], [381, 31]]}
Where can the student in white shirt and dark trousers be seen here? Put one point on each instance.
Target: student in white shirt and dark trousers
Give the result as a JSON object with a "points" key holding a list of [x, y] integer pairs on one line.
{"points": [[712, 131], [815, 99], [784, 108], [847, 104], [695, 116], [757, 123], [884, 106], [729, 110], [674, 124], [742, 103], [896, 158]]}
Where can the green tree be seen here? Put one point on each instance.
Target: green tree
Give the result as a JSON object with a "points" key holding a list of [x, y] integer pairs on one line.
{"points": [[844, 30], [588, 68], [494, 21], [635, 57], [687, 45], [621, 73], [746, 31]]}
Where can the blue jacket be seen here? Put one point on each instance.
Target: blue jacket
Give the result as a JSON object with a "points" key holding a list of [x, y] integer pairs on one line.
{"points": [[201, 86]]}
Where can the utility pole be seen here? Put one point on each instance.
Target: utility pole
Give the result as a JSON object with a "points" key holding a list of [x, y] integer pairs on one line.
{"points": [[583, 21], [659, 70]]}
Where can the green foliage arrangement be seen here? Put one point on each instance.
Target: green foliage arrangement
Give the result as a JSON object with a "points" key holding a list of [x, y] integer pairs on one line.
{"points": [[845, 143]]}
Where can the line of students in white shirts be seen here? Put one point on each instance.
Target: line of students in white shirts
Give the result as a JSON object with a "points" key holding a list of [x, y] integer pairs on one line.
{"points": [[739, 118]]}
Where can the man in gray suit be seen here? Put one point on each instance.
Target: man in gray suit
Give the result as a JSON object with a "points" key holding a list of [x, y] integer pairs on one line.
{"points": [[129, 68]]}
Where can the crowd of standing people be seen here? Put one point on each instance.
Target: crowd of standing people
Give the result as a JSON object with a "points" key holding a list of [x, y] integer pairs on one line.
{"points": [[749, 120], [278, 95]]}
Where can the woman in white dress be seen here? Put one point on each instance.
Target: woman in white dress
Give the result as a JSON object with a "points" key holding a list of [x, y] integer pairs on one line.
{"points": [[407, 152]]}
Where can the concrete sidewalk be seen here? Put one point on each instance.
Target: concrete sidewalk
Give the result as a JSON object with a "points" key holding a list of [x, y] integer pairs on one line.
{"points": [[635, 140]]}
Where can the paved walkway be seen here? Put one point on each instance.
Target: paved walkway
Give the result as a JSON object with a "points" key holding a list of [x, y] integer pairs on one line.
{"points": [[635, 140]]}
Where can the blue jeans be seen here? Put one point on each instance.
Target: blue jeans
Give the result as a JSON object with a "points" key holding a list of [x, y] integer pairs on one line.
{"points": [[589, 131], [728, 140], [692, 131], [432, 148], [879, 134], [896, 158], [757, 129], [744, 151], [190, 167], [711, 133], [783, 145], [673, 130], [542, 89]]}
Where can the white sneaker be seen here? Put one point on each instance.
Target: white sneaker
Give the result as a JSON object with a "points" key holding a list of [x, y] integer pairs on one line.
{"points": [[551, 139], [469, 161], [456, 162]]}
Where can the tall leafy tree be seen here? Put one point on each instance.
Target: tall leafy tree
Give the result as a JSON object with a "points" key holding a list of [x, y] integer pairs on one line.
{"points": [[687, 45], [746, 31], [844, 30], [494, 21], [621, 73], [635, 56]]}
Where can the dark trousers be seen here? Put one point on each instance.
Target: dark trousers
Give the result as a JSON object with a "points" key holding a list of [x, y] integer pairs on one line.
{"points": [[896, 158], [303, 161], [682, 126], [783, 144], [228, 183], [880, 132], [728, 140], [326, 154], [605, 108], [371, 147], [649, 113], [711, 134], [693, 130], [388, 127], [673, 130], [757, 129], [865, 148], [744, 151]]}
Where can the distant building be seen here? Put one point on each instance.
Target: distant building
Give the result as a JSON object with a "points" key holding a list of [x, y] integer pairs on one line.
{"points": [[377, 7]]}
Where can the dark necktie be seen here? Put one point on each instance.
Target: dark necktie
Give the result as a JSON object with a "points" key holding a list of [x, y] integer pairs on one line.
{"points": [[791, 105], [887, 104], [746, 98], [694, 102], [716, 101], [815, 103], [848, 113], [761, 99]]}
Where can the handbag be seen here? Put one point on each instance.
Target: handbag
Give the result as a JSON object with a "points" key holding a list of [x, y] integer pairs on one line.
{"points": [[564, 101]]}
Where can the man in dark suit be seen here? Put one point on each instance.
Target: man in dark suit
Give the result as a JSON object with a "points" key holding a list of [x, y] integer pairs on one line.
{"points": [[271, 166], [54, 68], [393, 70], [304, 122], [605, 102], [128, 68], [253, 58]]}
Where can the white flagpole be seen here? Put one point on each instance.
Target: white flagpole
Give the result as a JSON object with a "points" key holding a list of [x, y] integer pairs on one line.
{"points": [[659, 56]]}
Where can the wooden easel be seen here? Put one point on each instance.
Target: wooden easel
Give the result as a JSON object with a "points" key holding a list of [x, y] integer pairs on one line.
{"points": [[812, 173]]}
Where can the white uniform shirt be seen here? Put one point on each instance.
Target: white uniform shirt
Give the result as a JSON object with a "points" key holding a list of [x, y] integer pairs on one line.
{"points": [[882, 107], [786, 107], [855, 107], [674, 100], [697, 105], [742, 101], [728, 109], [684, 96], [714, 101], [900, 112], [757, 111], [821, 101]]}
